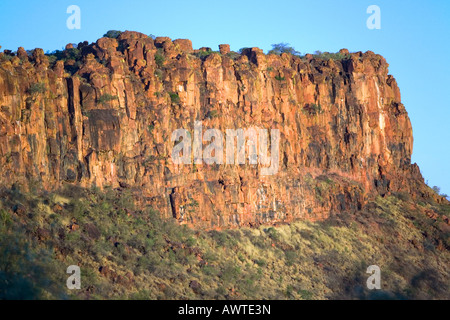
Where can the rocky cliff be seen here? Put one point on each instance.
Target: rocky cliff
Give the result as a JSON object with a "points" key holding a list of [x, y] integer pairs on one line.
{"points": [[103, 114]]}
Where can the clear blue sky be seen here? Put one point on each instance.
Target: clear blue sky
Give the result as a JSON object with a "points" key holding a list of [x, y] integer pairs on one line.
{"points": [[414, 38]]}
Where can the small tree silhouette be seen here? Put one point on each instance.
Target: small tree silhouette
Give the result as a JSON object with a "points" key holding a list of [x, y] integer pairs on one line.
{"points": [[112, 34], [280, 48]]}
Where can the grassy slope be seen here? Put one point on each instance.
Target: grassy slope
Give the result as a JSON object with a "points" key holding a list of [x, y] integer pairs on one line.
{"points": [[127, 253]]}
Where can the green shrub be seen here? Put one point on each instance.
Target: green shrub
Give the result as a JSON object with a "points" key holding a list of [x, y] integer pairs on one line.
{"points": [[73, 54], [233, 55], [209, 270], [312, 109], [230, 272], [52, 60], [261, 262], [331, 56], [159, 58], [305, 294], [291, 257], [204, 54], [174, 97], [159, 74], [212, 114], [6, 57], [273, 234], [106, 98], [223, 239], [221, 291], [37, 88], [5, 218]]}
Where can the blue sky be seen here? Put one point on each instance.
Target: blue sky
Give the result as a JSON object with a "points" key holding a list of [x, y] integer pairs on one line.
{"points": [[414, 38]]}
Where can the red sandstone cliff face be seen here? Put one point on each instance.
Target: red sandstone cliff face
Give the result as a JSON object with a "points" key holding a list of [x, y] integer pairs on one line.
{"points": [[344, 133]]}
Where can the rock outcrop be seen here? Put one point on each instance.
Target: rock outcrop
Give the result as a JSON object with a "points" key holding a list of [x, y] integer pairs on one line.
{"points": [[103, 114]]}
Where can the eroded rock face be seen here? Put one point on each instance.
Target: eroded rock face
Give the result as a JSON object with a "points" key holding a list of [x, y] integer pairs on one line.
{"points": [[106, 117]]}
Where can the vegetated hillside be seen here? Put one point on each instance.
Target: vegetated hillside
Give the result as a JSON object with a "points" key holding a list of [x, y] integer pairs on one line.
{"points": [[129, 252]]}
